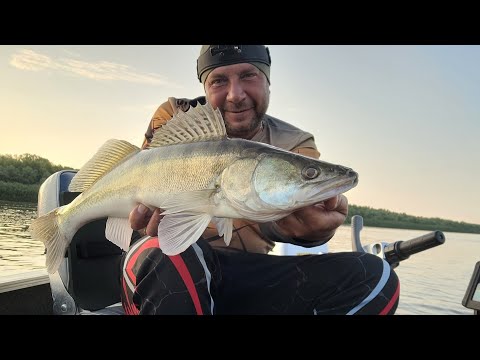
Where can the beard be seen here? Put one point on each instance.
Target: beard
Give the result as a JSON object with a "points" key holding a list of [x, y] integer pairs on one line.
{"points": [[244, 130], [247, 129]]}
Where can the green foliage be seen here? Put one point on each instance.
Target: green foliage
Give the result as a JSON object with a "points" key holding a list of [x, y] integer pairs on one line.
{"points": [[389, 219], [19, 192], [26, 169], [22, 175]]}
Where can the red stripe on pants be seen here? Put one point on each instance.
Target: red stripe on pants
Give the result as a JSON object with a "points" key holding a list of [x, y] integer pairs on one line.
{"points": [[392, 301], [188, 281]]}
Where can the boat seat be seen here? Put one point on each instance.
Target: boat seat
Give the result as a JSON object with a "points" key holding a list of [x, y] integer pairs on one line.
{"points": [[88, 280]]}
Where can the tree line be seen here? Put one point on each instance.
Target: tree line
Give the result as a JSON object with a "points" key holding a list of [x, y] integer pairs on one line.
{"points": [[22, 175], [390, 219]]}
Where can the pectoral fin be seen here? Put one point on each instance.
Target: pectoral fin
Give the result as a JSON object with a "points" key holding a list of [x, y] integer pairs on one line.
{"points": [[176, 232]]}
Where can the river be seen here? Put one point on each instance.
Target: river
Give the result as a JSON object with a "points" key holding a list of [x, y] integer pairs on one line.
{"points": [[432, 282]]}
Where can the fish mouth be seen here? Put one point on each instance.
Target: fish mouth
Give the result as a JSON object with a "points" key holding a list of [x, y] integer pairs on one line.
{"points": [[331, 188]]}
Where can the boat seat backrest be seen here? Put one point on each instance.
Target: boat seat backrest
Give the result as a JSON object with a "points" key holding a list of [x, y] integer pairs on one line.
{"points": [[50, 192]]}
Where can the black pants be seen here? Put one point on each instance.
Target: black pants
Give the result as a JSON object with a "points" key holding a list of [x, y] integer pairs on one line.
{"points": [[206, 280]]}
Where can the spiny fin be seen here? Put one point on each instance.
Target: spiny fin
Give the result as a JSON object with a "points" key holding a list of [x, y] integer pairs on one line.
{"points": [[119, 232], [112, 153], [46, 229], [225, 228], [200, 123], [176, 232]]}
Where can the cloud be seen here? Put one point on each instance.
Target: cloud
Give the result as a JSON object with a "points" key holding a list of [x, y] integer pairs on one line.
{"points": [[30, 60]]}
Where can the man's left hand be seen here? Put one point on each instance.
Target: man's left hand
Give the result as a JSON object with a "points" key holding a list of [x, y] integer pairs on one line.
{"points": [[316, 222]]}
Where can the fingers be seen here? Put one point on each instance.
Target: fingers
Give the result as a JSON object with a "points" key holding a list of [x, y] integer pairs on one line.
{"points": [[313, 221], [338, 203], [142, 217], [139, 217], [152, 227], [331, 204]]}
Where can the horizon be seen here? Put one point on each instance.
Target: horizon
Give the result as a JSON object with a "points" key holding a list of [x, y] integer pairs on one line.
{"points": [[405, 117]]}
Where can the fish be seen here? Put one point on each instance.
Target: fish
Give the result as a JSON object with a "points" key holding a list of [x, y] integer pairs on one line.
{"points": [[198, 175]]}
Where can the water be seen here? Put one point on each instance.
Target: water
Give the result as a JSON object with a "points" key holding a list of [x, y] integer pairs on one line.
{"points": [[18, 252], [432, 282]]}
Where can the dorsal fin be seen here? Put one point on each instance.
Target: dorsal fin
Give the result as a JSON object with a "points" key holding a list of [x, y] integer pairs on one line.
{"points": [[200, 123], [112, 153]]}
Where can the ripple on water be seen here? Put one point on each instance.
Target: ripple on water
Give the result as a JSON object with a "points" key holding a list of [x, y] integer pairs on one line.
{"points": [[18, 252]]}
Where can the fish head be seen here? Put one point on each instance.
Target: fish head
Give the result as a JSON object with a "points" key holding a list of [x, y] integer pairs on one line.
{"points": [[288, 181], [270, 184]]}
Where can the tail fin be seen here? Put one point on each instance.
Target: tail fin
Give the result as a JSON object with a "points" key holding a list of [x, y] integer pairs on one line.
{"points": [[46, 229]]}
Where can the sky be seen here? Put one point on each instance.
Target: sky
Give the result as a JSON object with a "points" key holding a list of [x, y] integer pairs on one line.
{"points": [[405, 117]]}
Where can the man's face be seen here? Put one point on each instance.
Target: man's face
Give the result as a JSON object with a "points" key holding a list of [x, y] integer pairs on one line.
{"points": [[242, 93]]}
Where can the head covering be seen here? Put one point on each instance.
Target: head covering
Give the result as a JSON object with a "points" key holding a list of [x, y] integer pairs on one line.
{"points": [[213, 56]]}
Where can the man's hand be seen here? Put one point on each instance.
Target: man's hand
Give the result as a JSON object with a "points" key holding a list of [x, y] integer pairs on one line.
{"points": [[315, 222], [141, 217]]}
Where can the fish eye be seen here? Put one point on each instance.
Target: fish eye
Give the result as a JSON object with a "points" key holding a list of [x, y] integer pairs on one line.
{"points": [[310, 173]]}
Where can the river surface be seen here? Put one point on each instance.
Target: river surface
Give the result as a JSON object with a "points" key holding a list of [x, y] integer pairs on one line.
{"points": [[432, 282]]}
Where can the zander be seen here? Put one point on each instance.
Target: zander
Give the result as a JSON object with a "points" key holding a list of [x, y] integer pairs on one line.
{"points": [[196, 174]]}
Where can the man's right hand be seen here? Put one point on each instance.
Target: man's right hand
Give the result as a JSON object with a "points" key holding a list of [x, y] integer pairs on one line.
{"points": [[142, 217]]}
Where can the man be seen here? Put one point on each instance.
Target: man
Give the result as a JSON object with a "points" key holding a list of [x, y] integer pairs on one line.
{"points": [[210, 278]]}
